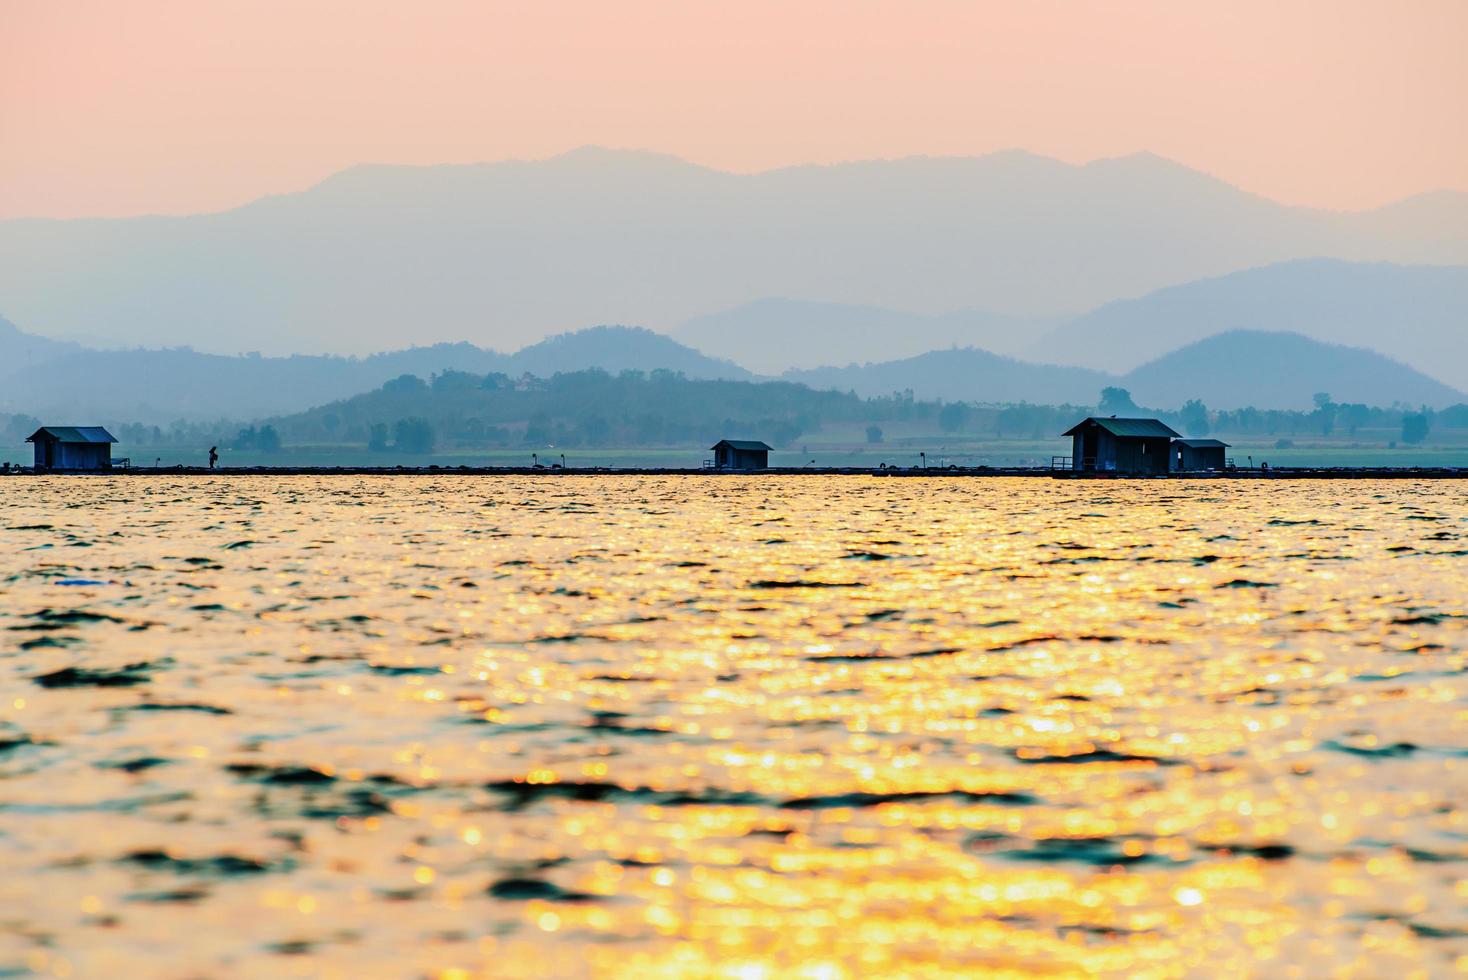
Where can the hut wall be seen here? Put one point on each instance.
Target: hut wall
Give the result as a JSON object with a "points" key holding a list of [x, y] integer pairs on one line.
{"points": [[1143, 455], [1093, 449], [729, 458], [750, 459], [1201, 458], [74, 455]]}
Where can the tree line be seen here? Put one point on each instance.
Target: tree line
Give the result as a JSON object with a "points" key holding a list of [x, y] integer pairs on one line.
{"points": [[459, 410]]}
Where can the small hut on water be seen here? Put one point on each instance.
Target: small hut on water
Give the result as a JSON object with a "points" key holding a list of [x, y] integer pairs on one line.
{"points": [[1192, 455], [740, 454], [72, 447], [1139, 446]]}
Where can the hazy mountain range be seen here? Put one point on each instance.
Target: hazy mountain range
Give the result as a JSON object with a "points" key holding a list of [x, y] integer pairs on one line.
{"points": [[774, 335], [158, 386], [504, 254], [22, 352], [1264, 369], [1230, 370], [979, 374], [1277, 370], [1417, 314]]}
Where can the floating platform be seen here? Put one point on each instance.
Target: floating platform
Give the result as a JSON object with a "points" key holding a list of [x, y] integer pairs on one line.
{"points": [[1274, 473]]}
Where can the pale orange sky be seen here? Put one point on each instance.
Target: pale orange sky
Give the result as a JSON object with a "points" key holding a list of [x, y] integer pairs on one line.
{"points": [[117, 107]]}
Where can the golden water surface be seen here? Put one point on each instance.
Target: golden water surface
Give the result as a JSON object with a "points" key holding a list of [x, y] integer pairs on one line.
{"points": [[814, 727]]}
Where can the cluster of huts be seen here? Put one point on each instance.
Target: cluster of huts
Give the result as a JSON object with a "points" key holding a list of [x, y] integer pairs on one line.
{"points": [[1112, 445], [1144, 447]]}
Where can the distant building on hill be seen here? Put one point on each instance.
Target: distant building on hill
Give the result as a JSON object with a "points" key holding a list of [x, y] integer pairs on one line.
{"points": [[1113, 445], [740, 454], [72, 447], [1191, 455]]}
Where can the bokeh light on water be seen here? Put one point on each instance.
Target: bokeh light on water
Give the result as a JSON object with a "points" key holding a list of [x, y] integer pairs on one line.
{"points": [[805, 727]]}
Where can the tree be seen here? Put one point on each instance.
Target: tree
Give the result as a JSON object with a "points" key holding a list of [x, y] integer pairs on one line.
{"points": [[413, 435], [1014, 419], [1194, 417], [1324, 414], [456, 381], [1354, 416], [267, 440], [953, 417], [538, 430], [1116, 401], [21, 426], [1414, 428], [377, 440], [405, 384], [783, 432], [595, 430], [874, 434], [331, 422], [1454, 416], [472, 431]]}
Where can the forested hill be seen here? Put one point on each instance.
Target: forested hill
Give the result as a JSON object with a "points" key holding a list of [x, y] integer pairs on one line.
{"points": [[159, 386], [585, 408]]}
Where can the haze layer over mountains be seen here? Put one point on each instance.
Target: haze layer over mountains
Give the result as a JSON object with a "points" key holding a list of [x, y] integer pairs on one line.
{"points": [[1100, 269], [505, 254]]}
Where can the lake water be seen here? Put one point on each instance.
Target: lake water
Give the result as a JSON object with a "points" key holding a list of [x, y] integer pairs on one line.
{"points": [[746, 727]]}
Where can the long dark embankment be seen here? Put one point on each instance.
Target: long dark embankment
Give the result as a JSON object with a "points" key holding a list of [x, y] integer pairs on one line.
{"points": [[1279, 473]]}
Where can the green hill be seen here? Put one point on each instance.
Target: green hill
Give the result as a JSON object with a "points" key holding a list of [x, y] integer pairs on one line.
{"points": [[584, 408]]}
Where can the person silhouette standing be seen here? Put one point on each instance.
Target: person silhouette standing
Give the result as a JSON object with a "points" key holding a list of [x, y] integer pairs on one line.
{"points": [[213, 456]]}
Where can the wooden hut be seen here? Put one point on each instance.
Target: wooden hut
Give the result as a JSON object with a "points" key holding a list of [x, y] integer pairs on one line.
{"points": [[740, 454], [1137, 446], [72, 447], [1192, 455]]}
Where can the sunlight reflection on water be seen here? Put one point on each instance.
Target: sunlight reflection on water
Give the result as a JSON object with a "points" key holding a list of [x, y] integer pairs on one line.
{"points": [[824, 727]]}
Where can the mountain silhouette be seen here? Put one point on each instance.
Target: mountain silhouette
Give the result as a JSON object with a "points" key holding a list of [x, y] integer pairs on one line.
{"points": [[20, 351], [504, 254], [774, 335], [616, 349], [963, 374], [1281, 370], [1417, 314], [1234, 369], [158, 386]]}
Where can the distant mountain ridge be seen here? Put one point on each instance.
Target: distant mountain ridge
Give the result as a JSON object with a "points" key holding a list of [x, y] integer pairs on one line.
{"points": [[1234, 369], [158, 386], [1417, 314], [1241, 368], [503, 254], [1399, 309], [617, 349], [963, 374], [23, 351], [775, 334]]}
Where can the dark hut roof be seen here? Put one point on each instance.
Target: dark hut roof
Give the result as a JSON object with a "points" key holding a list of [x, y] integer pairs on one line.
{"points": [[748, 445], [72, 433], [1202, 443], [1136, 428]]}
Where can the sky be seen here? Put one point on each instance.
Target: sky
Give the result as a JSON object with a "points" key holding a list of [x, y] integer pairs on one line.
{"points": [[112, 108]]}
